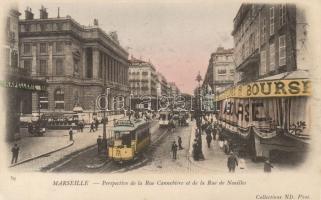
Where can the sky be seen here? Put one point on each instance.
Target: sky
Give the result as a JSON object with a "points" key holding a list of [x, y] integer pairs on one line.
{"points": [[176, 36]]}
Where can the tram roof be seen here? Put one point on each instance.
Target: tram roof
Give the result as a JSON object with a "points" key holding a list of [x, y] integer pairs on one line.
{"points": [[128, 125]]}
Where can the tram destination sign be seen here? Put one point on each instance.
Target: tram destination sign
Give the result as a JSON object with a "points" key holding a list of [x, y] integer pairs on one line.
{"points": [[271, 88]]}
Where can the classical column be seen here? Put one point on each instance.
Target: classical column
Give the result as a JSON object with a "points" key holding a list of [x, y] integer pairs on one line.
{"points": [[68, 61], [50, 67], [34, 59], [95, 62]]}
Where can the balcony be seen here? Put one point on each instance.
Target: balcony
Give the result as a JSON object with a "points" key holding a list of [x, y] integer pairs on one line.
{"points": [[18, 71], [251, 61]]}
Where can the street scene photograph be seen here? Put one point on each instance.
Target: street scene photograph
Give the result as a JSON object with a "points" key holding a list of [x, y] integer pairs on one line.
{"points": [[156, 87]]}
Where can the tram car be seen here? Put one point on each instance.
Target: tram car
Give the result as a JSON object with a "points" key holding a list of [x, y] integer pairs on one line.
{"points": [[164, 118], [129, 138]]}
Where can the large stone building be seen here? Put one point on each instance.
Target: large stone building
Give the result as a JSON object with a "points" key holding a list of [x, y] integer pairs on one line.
{"points": [[143, 83], [79, 62], [16, 80], [268, 38], [220, 71]]}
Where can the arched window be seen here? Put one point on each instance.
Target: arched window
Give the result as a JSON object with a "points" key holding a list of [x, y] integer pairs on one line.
{"points": [[59, 97]]}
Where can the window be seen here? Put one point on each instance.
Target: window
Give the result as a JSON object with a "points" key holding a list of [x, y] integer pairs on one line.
{"points": [[26, 48], [43, 48], [43, 100], [59, 47], [43, 67], [145, 73], [59, 66], [221, 71], [27, 27], [282, 14], [59, 99], [263, 30], [59, 26], [27, 65], [43, 27], [272, 57], [14, 58], [263, 62], [272, 20], [282, 53]]}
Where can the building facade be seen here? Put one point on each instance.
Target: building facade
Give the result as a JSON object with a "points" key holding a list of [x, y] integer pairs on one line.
{"points": [[220, 71], [143, 82], [162, 85], [17, 81], [270, 106], [266, 40], [79, 62], [174, 90]]}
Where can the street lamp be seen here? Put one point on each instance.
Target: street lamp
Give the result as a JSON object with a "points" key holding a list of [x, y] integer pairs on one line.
{"points": [[199, 120]]}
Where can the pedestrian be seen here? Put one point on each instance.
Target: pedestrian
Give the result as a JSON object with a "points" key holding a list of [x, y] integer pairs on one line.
{"points": [[209, 140], [71, 134], [92, 127], [81, 126], [226, 147], [99, 144], [96, 124], [267, 166], [179, 141], [232, 162], [174, 150], [15, 152], [194, 151]]}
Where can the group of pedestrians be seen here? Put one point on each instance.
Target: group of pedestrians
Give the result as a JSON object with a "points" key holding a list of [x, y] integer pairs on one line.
{"points": [[94, 125]]}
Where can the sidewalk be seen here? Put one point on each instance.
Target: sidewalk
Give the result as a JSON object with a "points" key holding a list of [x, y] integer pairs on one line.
{"points": [[216, 160], [55, 145]]}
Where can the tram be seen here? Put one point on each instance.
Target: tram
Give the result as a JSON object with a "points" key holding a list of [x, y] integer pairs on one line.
{"points": [[129, 138], [164, 118], [271, 115]]}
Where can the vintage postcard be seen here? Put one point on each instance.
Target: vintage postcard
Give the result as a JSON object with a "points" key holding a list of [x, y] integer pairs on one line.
{"points": [[160, 99]]}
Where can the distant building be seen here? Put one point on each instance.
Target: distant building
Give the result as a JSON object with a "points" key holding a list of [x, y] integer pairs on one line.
{"points": [[269, 39], [142, 82], [17, 80], [174, 90], [142, 78], [78, 61], [220, 71]]}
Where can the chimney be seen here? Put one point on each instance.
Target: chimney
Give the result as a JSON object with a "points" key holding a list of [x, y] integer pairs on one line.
{"points": [[95, 22], [43, 13], [58, 13], [28, 13]]}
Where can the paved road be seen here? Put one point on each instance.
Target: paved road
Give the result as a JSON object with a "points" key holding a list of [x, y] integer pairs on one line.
{"points": [[90, 162]]}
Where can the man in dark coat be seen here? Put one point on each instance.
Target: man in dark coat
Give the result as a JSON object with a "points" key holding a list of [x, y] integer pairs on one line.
{"points": [[267, 166], [96, 124], [92, 129], [174, 150], [179, 143], [195, 150], [99, 144], [232, 162], [15, 152], [71, 134], [209, 140]]}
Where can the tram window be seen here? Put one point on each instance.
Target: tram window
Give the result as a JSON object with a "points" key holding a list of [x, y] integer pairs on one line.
{"points": [[126, 140], [163, 117]]}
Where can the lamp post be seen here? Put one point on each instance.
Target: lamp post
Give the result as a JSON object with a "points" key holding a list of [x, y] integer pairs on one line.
{"points": [[198, 116]]}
